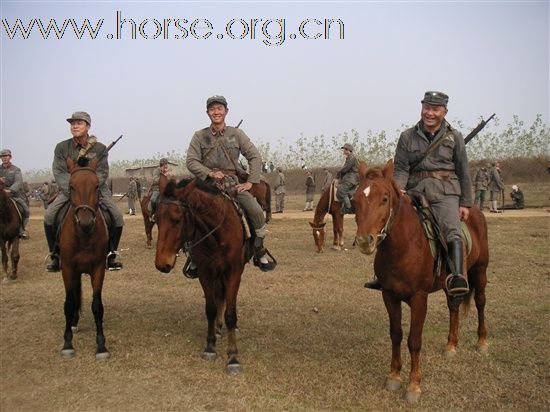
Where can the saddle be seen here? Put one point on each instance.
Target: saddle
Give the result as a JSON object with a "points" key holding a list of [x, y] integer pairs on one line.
{"points": [[19, 209], [438, 245]]}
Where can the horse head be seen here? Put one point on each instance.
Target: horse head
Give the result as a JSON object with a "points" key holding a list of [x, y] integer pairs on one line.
{"points": [[377, 199], [84, 194], [318, 235], [171, 215]]}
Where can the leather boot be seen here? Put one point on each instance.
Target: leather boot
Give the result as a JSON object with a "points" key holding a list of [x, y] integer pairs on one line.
{"points": [[261, 252], [346, 205], [114, 240], [23, 234], [53, 266], [456, 283], [190, 270]]}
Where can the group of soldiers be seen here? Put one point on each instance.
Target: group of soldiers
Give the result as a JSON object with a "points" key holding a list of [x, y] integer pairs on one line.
{"points": [[430, 160], [488, 178]]}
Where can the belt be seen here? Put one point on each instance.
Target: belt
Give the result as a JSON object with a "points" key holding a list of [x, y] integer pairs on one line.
{"points": [[436, 174]]}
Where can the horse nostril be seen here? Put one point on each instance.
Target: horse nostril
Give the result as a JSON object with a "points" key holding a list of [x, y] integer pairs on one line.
{"points": [[370, 239]]}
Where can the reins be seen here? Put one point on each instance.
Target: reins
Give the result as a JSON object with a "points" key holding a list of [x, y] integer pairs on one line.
{"points": [[188, 245], [385, 231], [77, 208]]}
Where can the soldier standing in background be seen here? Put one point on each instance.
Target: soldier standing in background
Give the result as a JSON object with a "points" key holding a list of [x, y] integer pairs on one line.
{"points": [[327, 180], [481, 182], [495, 186], [310, 191], [280, 183], [132, 195]]}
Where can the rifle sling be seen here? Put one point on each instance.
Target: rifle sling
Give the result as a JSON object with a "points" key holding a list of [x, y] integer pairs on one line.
{"points": [[430, 149]]}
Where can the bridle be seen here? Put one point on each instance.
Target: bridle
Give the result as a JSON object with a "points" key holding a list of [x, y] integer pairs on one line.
{"points": [[85, 207], [188, 210], [385, 231]]}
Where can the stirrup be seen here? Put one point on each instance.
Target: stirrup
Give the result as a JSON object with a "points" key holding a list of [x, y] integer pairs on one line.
{"points": [[54, 265], [190, 272], [265, 267], [112, 264], [456, 285]]}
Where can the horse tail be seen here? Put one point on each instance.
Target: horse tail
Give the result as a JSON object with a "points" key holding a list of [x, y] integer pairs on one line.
{"points": [[466, 304]]}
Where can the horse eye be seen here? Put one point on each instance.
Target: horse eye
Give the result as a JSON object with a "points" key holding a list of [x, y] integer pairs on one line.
{"points": [[385, 199]]}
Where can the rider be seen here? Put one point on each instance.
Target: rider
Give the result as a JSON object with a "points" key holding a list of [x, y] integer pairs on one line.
{"points": [[81, 145], [155, 190], [213, 155], [431, 159], [11, 176], [348, 177]]}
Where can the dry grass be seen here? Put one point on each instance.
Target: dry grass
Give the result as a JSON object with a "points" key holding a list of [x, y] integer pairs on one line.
{"points": [[311, 338]]}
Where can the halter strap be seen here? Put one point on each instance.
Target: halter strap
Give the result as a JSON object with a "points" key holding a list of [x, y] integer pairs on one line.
{"points": [[390, 221]]}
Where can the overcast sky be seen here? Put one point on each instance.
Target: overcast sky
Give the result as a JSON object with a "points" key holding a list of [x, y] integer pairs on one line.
{"points": [[488, 56]]}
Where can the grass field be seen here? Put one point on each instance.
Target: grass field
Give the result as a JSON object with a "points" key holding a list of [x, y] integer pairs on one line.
{"points": [[311, 337]]}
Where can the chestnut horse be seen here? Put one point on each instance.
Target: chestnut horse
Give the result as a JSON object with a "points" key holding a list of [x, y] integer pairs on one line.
{"points": [[327, 204], [388, 224], [83, 246], [10, 224], [196, 216], [261, 191]]}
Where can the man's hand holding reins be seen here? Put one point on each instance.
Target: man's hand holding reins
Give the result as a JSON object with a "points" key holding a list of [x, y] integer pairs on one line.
{"points": [[243, 187], [463, 213]]}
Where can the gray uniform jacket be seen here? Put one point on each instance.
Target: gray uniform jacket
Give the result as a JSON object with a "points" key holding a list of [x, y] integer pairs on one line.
{"points": [[495, 182], [280, 183], [450, 155], [13, 180], [132, 190], [481, 180], [349, 173], [310, 188], [205, 152]]}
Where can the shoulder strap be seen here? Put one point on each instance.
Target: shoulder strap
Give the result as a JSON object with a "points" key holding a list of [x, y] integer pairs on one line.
{"points": [[431, 148]]}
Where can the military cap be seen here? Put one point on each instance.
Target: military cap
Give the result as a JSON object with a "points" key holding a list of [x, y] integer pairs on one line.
{"points": [[435, 99], [347, 146], [163, 161], [80, 116], [5, 152], [216, 99]]}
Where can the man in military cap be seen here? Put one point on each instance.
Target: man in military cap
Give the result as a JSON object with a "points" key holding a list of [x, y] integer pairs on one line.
{"points": [[481, 183], [280, 190], [132, 196], [155, 190], [431, 159], [80, 145], [348, 177], [213, 155], [12, 178], [496, 185]]}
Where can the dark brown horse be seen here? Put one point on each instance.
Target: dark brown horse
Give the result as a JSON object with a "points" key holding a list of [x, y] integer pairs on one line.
{"points": [[261, 191], [195, 216], [83, 246], [388, 224], [10, 224], [327, 204]]}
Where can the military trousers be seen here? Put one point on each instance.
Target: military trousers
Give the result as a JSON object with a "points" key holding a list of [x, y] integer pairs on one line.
{"points": [[52, 210], [254, 212], [279, 202], [445, 211]]}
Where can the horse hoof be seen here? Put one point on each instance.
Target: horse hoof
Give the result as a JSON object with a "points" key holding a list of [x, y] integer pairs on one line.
{"points": [[412, 396], [234, 368], [74, 329], [102, 356], [67, 353], [393, 384], [209, 356], [450, 353], [218, 335], [483, 349]]}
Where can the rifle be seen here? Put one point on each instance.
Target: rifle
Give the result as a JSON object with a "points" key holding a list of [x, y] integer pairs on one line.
{"points": [[236, 127], [114, 142], [477, 129]]}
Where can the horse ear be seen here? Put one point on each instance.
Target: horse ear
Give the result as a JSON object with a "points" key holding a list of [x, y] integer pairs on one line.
{"points": [[70, 164], [362, 169], [388, 170], [168, 189]]}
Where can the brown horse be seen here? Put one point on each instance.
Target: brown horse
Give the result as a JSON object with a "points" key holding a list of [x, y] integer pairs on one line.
{"points": [[83, 245], [261, 191], [195, 216], [10, 224], [327, 204], [387, 222]]}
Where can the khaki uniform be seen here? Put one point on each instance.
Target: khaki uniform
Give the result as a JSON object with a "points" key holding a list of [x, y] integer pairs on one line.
{"points": [[13, 180], [495, 183], [205, 153], [280, 190], [481, 183], [445, 195], [132, 196], [70, 149]]}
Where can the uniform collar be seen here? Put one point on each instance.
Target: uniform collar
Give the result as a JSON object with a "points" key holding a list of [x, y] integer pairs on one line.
{"points": [[77, 145], [216, 132]]}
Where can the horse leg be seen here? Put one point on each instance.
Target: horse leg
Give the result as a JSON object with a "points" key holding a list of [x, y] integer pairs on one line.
{"points": [[419, 305], [97, 309], [393, 307], [73, 295], [4, 258], [149, 233], [219, 316], [478, 276], [14, 258], [452, 338], [211, 309], [337, 231], [233, 364]]}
